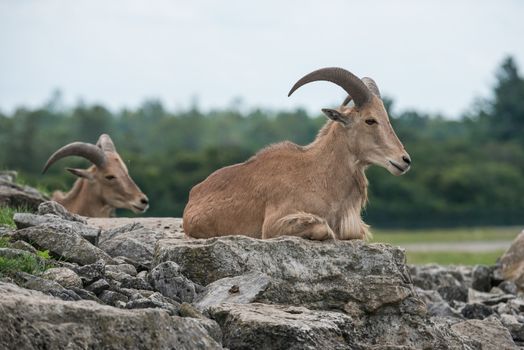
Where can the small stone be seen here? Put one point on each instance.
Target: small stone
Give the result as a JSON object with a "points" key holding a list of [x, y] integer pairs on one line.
{"points": [[476, 311], [135, 283], [442, 309], [234, 289], [98, 286], [494, 298], [86, 295], [125, 268], [47, 286], [52, 207], [91, 273], [24, 246], [187, 310], [481, 278], [110, 297], [509, 287], [168, 280], [450, 293], [64, 276]]}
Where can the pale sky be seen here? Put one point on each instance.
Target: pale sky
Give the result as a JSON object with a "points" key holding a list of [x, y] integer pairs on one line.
{"points": [[435, 56]]}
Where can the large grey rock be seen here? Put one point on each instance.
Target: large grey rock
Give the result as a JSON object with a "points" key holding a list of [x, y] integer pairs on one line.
{"points": [[14, 195], [168, 280], [323, 275], [137, 244], [61, 239], [52, 207], [487, 334], [242, 289], [24, 220], [261, 326], [64, 276], [31, 320]]}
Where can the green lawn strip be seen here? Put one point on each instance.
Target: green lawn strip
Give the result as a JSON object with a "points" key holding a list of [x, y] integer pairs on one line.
{"points": [[454, 258], [446, 235], [6, 214]]}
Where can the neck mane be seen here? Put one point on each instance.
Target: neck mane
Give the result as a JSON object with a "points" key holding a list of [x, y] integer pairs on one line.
{"points": [[83, 199]]}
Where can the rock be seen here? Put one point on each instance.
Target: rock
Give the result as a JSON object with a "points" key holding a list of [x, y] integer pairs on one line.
{"points": [[168, 280], [187, 310], [52, 207], [111, 298], [64, 276], [262, 326], [98, 286], [138, 244], [487, 334], [508, 287], [517, 304], [451, 293], [477, 311], [23, 246], [237, 290], [488, 298], [46, 286], [25, 220], [125, 268], [211, 326], [155, 300], [322, 275], [86, 295], [442, 309], [50, 323], [11, 253], [14, 195], [135, 283], [62, 240], [8, 175], [515, 328], [92, 272], [481, 278], [512, 262], [432, 277]]}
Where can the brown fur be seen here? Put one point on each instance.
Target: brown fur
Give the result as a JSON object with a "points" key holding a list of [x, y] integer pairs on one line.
{"points": [[315, 191]]}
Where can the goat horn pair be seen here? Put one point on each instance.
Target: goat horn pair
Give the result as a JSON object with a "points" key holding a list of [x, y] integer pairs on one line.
{"points": [[371, 85], [86, 150], [356, 88]]}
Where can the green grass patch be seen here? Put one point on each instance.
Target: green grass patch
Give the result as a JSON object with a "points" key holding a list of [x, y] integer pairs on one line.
{"points": [[6, 214], [4, 242], [26, 263], [454, 258], [397, 237]]}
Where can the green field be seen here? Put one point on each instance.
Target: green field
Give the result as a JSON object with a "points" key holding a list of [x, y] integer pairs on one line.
{"points": [[457, 235]]}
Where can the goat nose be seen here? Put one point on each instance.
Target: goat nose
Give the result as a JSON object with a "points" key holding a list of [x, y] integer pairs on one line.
{"points": [[406, 159], [144, 200]]}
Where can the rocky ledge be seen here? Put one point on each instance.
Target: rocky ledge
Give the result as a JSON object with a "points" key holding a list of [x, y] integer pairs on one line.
{"points": [[146, 286]]}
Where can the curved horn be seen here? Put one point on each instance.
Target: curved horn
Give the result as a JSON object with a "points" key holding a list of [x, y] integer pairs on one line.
{"points": [[105, 143], [81, 149], [346, 80], [371, 85]]}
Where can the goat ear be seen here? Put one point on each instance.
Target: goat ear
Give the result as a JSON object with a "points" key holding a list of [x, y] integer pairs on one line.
{"points": [[81, 173], [335, 116]]}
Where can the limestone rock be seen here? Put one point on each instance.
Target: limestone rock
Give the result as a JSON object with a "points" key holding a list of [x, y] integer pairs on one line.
{"points": [[62, 239], [64, 276], [138, 244], [262, 326], [52, 207], [487, 334], [236, 290], [322, 275], [50, 323], [24, 220], [168, 280], [14, 195]]}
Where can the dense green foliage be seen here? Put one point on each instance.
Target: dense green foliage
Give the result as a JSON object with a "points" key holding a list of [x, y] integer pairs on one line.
{"points": [[465, 171]]}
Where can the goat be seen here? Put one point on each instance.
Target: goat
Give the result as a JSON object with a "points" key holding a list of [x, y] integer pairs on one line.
{"points": [[104, 186], [315, 191]]}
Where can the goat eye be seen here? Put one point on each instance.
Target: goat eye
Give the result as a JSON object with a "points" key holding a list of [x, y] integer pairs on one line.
{"points": [[110, 177], [371, 121]]}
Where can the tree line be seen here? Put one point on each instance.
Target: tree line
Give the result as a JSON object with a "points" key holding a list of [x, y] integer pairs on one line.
{"points": [[466, 171]]}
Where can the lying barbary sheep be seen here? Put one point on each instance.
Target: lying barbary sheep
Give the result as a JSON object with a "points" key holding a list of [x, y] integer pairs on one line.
{"points": [[315, 191], [104, 186]]}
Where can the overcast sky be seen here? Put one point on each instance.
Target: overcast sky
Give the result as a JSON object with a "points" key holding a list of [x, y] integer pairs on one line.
{"points": [[431, 55]]}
